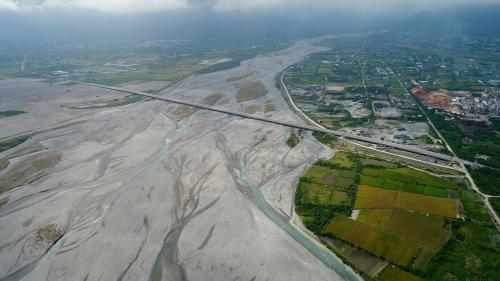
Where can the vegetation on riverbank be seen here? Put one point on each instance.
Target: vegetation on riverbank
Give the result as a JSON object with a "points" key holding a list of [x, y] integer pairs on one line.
{"points": [[8, 113], [294, 139], [12, 142]]}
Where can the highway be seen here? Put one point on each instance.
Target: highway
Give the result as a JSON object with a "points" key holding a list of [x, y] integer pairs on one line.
{"points": [[316, 128]]}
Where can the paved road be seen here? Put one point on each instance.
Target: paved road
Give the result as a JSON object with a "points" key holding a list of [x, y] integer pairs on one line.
{"points": [[293, 106], [316, 128], [425, 115], [460, 162]]}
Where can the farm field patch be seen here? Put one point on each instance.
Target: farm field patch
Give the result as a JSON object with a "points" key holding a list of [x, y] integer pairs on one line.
{"points": [[392, 273], [342, 160], [378, 163], [317, 194], [339, 197], [432, 205], [410, 176], [403, 186], [325, 190], [321, 174], [374, 198], [373, 240], [426, 231], [377, 198]]}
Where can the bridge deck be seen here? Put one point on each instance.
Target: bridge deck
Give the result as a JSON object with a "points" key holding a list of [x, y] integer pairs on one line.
{"points": [[283, 123]]}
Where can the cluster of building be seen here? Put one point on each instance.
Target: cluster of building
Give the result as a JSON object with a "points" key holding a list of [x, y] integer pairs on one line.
{"points": [[464, 104], [307, 93], [402, 101]]}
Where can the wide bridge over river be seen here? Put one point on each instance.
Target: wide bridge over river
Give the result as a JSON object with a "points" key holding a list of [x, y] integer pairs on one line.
{"points": [[402, 147]]}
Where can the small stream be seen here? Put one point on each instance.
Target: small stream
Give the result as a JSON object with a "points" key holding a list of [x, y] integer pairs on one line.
{"points": [[138, 174], [318, 250]]}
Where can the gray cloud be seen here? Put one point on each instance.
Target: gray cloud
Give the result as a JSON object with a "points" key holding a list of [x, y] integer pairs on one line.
{"points": [[139, 6], [113, 6]]}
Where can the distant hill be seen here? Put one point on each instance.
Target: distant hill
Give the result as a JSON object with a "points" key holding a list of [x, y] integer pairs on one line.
{"points": [[283, 23], [465, 21]]}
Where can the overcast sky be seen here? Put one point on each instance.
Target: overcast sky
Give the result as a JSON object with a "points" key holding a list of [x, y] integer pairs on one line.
{"points": [[144, 6], [185, 19]]}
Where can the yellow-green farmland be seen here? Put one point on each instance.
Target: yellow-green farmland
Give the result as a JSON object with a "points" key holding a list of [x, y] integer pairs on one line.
{"points": [[427, 231], [377, 198], [397, 223], [327, 188], [374, 198], [378, 242], [427, 204], [392, 273]]}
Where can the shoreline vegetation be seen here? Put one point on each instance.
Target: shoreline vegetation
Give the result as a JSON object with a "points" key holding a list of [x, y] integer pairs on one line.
{"points": [[9, 113]]}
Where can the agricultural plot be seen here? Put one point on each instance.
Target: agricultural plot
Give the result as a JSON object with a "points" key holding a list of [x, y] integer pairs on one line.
{"points": [[425, 231], [317, 194], [380, 243], [408, 180], [399, 236], [402, 186], [377, 198], [323, 71], [344, 182], [321, 174], [342, 160], [377, 163], [363, 261], [325, 190], [411, 176], [392, 273], [339, 198], [374, 198], [326, 175], [427, 204], [424, 257]]}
